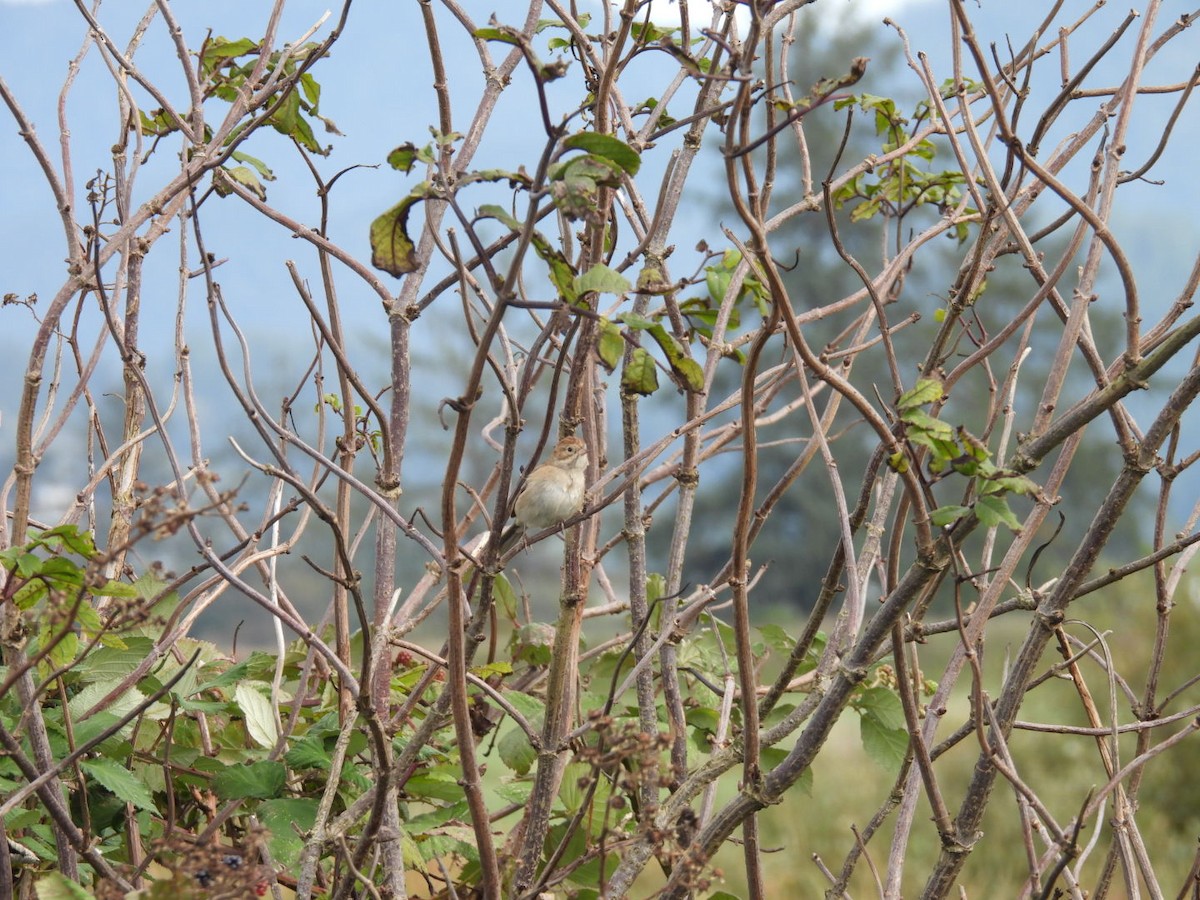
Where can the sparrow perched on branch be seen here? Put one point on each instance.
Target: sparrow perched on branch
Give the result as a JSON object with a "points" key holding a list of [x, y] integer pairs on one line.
{"points": [[553, 492]]}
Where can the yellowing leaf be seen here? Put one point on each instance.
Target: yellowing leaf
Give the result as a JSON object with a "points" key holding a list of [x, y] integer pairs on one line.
{"points": [[392, 250], [242, 175]]}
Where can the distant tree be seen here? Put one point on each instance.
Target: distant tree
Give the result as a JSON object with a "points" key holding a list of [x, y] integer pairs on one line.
{"points": [[813, 270], [359, 756]]}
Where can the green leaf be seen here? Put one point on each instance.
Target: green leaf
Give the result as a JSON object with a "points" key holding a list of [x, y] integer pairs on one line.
{"points": [[286, 820], [260, 717], [865, 211], [223, 48], [123, 783], [587, 874], [312, 90], [882, 727], [640, 375], [687, 371], [703, 718], [993, 511], [562, 273], [814, 653], [219, 49], [62, 653], [533, 709], [916, 417], [656, 587], [777, 637], [30, 594], [717, 279], [926, 390], [20, 562], [65, 572], [263, 780], [885, 746], [93, 693], [607, 146], [515, 791], [307, 753], [943, 451], [446, 815], [883, 703], [448, 841], [449, 139], [514, 179], [302, 134], [404, 157], [576, 781], [948, 515], [543, 24], [575, 185], [492, 211], [774, 756], [972, 446], [533, 643], [610, 345], [262, 168], [497, 669], [639, 323], [645, 32], [157, 125], [150, 587], [114, 663], [603, 280], [78, 541], [286, 119], [505, 35], [441, 784], [91, 728], [516, 751], [232, 675], [1016, 484], [504, 596]]}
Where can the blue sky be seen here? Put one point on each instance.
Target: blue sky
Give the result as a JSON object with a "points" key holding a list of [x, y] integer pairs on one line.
{"points": [[376, 87]]}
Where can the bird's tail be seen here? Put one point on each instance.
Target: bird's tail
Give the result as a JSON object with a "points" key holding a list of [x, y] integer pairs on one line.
{"points": [[509, 537]]}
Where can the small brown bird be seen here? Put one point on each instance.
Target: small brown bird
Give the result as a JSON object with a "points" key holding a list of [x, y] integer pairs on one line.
{"points": [[553, 492]]}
